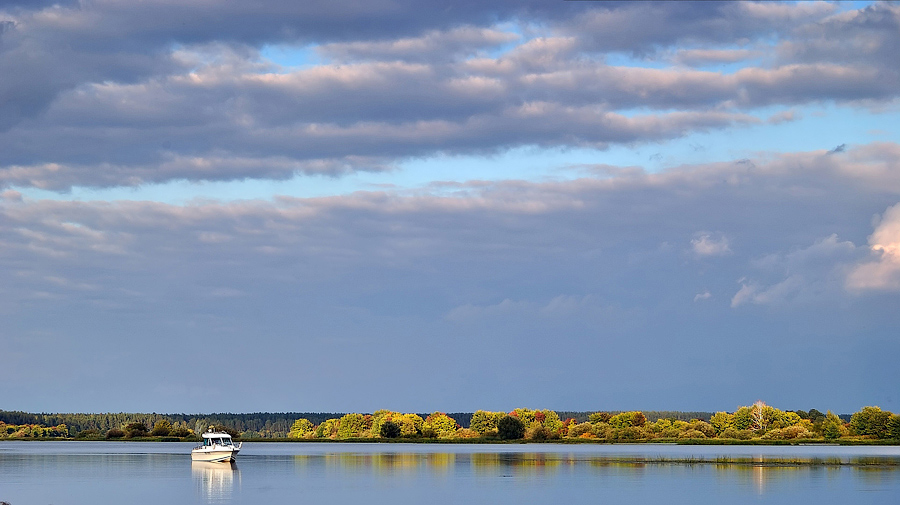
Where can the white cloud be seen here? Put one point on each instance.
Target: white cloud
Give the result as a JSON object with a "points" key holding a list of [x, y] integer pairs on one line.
{"points": [[706, 295], [883, 271], [710, 244]]}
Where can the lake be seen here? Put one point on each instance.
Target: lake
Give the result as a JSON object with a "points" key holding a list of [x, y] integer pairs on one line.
{"points": [[98, 473]]}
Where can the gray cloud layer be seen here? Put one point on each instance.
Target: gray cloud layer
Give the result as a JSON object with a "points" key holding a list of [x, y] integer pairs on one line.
{"points": [[107, 93], [487, 294]]}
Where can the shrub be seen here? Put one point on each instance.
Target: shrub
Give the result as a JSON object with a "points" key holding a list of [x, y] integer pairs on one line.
{"points": [[537, 432], [602, 431], [390, 429], [114, 433], [467, 433], [630, 433], [510, 428], [774, 434], [577, 430], [692, 434], [707, 429], [732, 432], [796, 431], [135, 430], [180, 432]]}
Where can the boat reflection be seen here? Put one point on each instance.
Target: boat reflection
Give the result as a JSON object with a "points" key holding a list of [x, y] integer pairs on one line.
{"points": [[215, 481]]}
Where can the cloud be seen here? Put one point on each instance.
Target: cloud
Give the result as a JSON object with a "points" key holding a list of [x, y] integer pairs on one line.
{"points": [[111, 94], [471, 276], [882, 270], [803, 275], [709, 244], [700, 57], [455, 43]]}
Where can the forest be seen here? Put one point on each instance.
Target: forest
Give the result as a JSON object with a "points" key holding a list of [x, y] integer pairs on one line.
{"points": [[756, 423]]}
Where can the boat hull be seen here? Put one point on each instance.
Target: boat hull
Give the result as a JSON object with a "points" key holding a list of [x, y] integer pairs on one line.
{"points": [[214, 456]]}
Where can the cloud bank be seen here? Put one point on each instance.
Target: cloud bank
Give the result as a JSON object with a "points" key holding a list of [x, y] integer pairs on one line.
{"points": [[106, 94]]}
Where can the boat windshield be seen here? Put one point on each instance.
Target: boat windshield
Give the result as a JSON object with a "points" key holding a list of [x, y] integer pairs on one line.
{"points": [[210, 441]]}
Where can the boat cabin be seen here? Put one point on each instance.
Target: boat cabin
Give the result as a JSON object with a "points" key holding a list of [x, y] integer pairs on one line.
{"points": [[216, 438]]}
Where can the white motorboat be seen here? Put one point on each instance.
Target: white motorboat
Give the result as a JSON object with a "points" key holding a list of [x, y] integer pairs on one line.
{"points": [[217, 446]]}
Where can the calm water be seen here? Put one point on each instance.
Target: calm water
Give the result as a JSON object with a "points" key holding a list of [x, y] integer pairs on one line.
{"points": [[98, 473]]}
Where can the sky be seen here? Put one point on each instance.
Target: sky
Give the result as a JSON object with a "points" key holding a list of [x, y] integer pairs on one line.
{"points": [[213, 206]]}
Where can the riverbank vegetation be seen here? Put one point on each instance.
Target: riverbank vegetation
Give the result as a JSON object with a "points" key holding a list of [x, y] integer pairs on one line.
{"points": [[757, 423]]}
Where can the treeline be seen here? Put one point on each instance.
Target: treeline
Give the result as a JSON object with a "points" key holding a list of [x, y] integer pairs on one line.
{"points": [[252, 425], [757, 421]]}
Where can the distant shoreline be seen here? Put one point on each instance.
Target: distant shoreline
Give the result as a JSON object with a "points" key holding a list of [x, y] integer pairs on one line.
{"points": [[495, 441]]}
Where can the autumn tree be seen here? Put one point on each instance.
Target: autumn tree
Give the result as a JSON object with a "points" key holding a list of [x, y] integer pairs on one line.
{"points": [[758, 421], [327, 428], [440, 424], [161, 428]]}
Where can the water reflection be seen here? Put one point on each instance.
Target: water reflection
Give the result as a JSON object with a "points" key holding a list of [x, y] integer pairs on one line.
{"points": [[139, 473], [440, 462], [215, 481]]}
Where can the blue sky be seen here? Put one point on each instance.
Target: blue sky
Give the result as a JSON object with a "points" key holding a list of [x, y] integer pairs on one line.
{"points": [[424, 206]]}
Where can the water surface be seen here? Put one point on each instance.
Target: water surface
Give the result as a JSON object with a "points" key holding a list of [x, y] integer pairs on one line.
{"points": [[99, 473]]}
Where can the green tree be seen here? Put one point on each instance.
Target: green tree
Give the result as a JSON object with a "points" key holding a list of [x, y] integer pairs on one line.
{"points": [[871, 421], [510, 428], [484, 422], [742, 418], [351, 426], [389, 429], [832, 427], [161, 428], [599, 417], [721, 421], [301, 428], [628, 419], [411, 425], [327, 428], [894, 427], [551, 422]]}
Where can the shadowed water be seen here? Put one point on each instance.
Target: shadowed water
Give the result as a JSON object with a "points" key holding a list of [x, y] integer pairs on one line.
{"points": [[97, 473]]}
